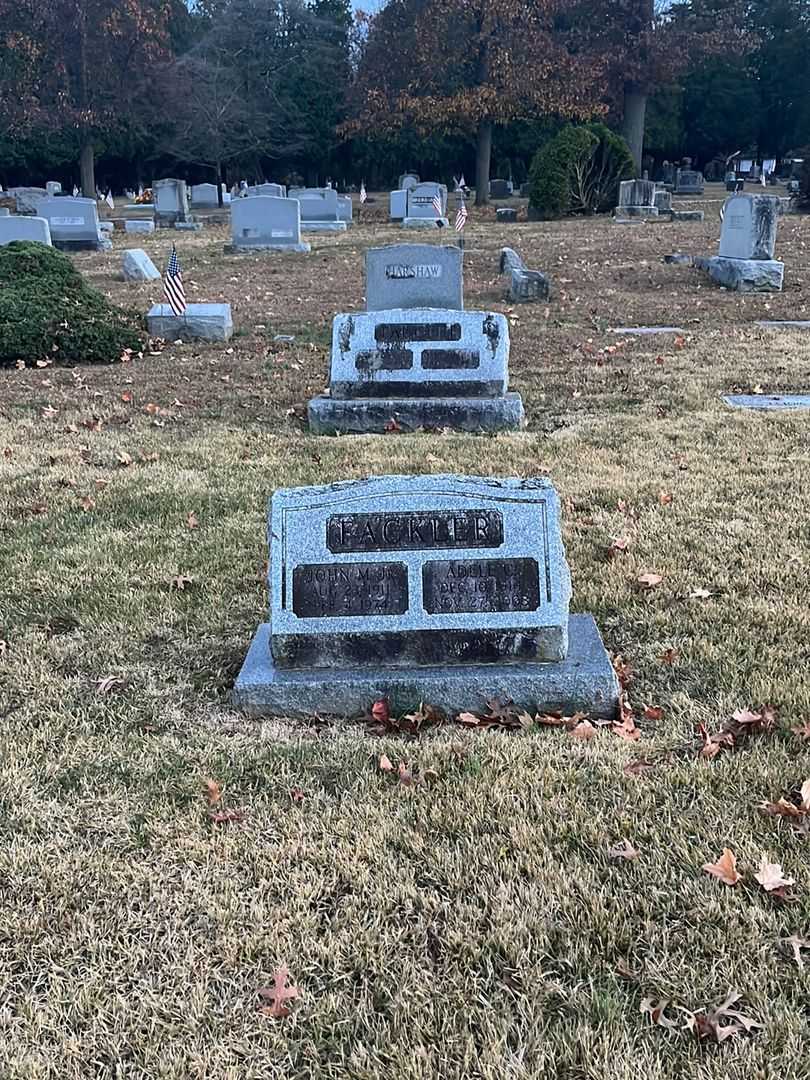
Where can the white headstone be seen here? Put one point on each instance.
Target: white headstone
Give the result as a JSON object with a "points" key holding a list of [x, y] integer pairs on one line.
{"points": [[24, 228], [53, 187], [266, 222], [73, 222], [398, 205], [137, 266], [749, 227]]}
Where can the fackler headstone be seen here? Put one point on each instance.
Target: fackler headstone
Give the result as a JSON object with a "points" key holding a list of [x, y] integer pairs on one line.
{"points": [[414, 275], [444, 589]]}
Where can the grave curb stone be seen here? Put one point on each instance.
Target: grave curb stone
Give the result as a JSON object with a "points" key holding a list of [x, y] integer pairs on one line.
{"points": [[323, 226], [375, 416], [204, 322], [584, 682], [425, 223], [687, 215]]}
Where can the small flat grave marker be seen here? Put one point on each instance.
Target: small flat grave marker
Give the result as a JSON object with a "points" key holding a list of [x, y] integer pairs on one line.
{"points": [[768, 401], [645, 330]]}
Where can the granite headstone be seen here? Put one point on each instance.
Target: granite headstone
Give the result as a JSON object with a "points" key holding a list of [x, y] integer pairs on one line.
{"points": [[34, 229], [413, 276], [266, 223]]}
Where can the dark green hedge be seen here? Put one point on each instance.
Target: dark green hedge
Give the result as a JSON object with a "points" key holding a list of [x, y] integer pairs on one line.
{"points": [[45, 302], [578, 171]]}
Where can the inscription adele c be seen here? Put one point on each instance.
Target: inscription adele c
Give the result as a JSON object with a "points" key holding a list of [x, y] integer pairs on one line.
{"points": [[459, 585], [414, 530], [330, 590]]}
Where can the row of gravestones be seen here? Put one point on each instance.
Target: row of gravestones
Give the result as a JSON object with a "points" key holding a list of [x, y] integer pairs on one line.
{"points": [[645, 199], [447, 589]]}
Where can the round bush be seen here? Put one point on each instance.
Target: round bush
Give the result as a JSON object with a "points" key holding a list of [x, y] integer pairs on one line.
{"points": [[578, 171], [48, 311]]}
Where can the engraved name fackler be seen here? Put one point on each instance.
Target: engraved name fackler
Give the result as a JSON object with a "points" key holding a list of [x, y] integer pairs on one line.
{"points": [[414, 530]]}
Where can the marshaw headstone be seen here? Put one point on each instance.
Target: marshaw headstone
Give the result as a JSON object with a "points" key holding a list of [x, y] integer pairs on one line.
{"points": [[73, 223], [747, 240], [636, 200], [24, 228], [413, 276], [421, 212], [170, 199], [266, 223], [418, 368], [444, 589]]}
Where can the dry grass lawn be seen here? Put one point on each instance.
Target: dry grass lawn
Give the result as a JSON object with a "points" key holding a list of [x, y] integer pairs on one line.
{"points": [[475, 926]]}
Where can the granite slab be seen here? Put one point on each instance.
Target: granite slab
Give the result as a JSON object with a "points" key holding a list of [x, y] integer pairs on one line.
{"points": [[377, 416], [414, 276], [205, 322], [768, 401], [584, 682]]}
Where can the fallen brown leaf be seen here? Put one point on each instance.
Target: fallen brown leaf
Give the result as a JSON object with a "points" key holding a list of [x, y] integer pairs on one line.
{"points": [[381, 712], [469, 719], [725, 869], [584, 730], [619, 545], [623, 850], [665, 497], [669, 656], [796, 944], [223, 817], [385, 764], [108, 684], [627, 728], [405, 775], [213, 790], [638, 767], [649, 581], [656, 1012], [181, 582], [803, 732], [278, 994], [192, 521], [653, 712]]}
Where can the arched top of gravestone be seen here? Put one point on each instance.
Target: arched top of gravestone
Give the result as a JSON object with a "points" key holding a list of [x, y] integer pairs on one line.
{"points": [[408, 180]]}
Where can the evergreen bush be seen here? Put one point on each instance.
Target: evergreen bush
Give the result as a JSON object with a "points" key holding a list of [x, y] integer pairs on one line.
{"points": [[578, 171], [48, 311]]}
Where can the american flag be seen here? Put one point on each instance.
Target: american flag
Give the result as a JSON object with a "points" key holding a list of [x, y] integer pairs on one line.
{"points": [[173, 285], [363, 195], [437, 205], [462, 182], [75, 191], [110, 201], [461, 216]]}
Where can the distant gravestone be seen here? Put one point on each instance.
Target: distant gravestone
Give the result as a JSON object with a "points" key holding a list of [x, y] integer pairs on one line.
{"points": [[768, 401], [408, 180], [688, 182], [170, 199], [204, 196], [24, 228], [28, 199], [747, 244], [206, 322], [636, 200], [73, 223], [53, 187], [448, 589], [748, 229], [344, 208], [266, 223], [663, 201], [421, 209], [398, 205], [507, 214], [413, 276], [499, 189], [139, 226], [137, 266], [319, 210], [278, 191]]}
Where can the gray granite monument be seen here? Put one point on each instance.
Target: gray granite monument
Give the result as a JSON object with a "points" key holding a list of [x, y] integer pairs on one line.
{"points": [[747, 241], [636, 200], [14, 228], [319, 210], [137, 266], [398, 205], [418, 368], [525, 286], [266, 223], [414, 275], [449, 590], [203, 322], [73, 223], [421, 210], [170, 202], [688, 182]]}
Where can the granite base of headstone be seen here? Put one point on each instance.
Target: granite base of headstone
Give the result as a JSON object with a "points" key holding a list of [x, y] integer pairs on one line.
{"points": [[323, 226], [137, 266], [744, 275], [425, 223], [447, 590], [135, 226], [203, 322], [506, 214], [188, 226]]}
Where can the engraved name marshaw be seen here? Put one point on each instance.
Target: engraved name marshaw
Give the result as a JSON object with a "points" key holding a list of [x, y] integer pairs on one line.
{"points": [[400, 270], [414, 530]]}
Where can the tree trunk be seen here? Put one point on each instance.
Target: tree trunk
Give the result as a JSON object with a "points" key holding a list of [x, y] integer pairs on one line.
{"points": [[88, 171], [635, 112], [483, 158]]}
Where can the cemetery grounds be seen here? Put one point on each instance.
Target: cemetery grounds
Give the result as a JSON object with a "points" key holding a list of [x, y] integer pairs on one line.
{"points": [[466, 919]]}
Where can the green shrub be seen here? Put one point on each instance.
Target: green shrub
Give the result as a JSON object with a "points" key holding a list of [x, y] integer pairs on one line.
{"points": [[578, 171], [48, 311], [804, 179]]}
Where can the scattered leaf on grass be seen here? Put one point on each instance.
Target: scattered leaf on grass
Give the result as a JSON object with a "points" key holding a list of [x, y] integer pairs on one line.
{"points": [[656, 1010], [665, 498], [710, 1025], [192, 521], [381, 712], [700, 594], [213, 790], [796, 944], [584, 730], [181, 582], [803, 732], [623, 850], [124, 460], [771, 877], [626, 729], [87, 504], [108, 684], [469, 719], [669, 656], [619, 545], [278, 994], [405, 775], [624, 673], [653, 712], [649, 581], [725, 869], [384, 764], [783, 808], [223, 817]]}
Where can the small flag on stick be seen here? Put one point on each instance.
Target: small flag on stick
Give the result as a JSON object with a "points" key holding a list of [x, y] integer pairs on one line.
{"points": [[110, 201], [437, 205], [75, 191], [173, 285], [462, 182], [461, 217], [363, 195]]}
